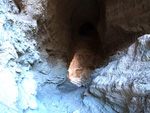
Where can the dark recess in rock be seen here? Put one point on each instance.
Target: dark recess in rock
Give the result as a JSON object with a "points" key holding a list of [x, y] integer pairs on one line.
{"points": [[85, 28]]}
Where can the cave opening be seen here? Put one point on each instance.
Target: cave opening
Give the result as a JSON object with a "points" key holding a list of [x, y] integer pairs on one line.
{"points": [[85, 53], [72, 36], [85, 28]]}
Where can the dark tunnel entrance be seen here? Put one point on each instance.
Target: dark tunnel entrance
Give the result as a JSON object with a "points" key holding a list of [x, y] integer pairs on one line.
{"points": [[74, 37], [84, 53], [85, 28]]}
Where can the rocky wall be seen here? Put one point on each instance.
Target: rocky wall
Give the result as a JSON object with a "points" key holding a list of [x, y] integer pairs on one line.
{"points": [[35, 38], [124, 22], [125, 80]]}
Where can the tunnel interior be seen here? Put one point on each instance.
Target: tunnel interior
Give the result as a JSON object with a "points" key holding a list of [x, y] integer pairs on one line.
{"points": [[85, 28], [84, 52], [72, 35], [85, 37]]}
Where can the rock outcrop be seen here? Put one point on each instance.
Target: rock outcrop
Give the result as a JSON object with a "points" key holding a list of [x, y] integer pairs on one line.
{"points": [[35, 41], [17, 55], [125, 81]]}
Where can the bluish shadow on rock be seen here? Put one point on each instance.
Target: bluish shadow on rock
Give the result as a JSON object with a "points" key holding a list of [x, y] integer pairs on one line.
{"points": [[67, 86]]}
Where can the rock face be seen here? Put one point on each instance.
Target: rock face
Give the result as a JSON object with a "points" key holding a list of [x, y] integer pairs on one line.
{"points": [[79, 69], [37, 43], [124, 22], [85, 54], [125, 80], [17, 55]]}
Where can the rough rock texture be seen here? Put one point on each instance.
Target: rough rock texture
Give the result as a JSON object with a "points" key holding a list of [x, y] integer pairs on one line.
{"points": [[124, 22], [35, 38], [125, 81], [62, 20], [17, 55]]}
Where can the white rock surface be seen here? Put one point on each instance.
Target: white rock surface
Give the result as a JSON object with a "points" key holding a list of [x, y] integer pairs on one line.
{"points": [[8, 88], [126, 81], [17, 54]]}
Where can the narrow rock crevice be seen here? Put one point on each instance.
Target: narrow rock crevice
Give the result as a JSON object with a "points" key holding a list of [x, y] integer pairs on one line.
{"points": [[53, 53], [70, 30]]}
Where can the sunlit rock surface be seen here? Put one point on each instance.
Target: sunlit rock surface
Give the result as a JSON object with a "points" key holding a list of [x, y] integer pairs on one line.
{"points": [[17, 55], [126, 79]]}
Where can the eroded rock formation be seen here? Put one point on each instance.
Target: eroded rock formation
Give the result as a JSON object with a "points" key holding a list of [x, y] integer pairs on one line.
{"points": [[126, 81], [84, 53], [40, 38]]}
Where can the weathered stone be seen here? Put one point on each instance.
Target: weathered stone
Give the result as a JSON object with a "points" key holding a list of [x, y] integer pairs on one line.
{"points": [[124, 81], [35, 41]]}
